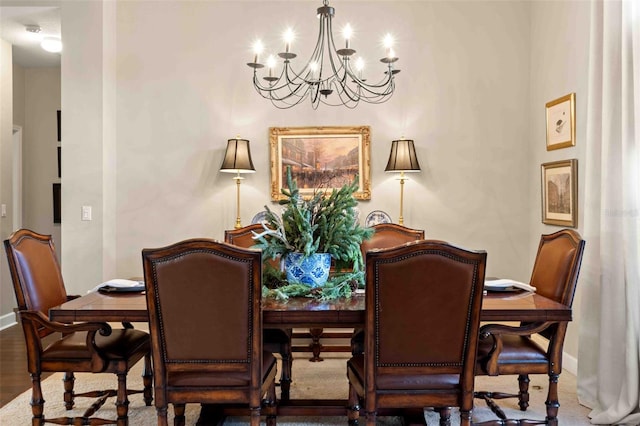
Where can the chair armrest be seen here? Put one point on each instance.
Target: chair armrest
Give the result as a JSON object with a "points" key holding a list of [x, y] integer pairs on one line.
{"points": [[496, 331], [41, 319], [98, 362]]}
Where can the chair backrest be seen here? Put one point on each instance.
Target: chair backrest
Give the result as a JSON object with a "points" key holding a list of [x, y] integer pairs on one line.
{"points": [[35, 271], [557, 265], [243, 237], [423, 304], [390, 235], [203, 298]]}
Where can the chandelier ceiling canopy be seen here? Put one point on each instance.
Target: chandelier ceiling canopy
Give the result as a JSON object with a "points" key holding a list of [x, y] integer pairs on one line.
{"points": [[332, 76]]}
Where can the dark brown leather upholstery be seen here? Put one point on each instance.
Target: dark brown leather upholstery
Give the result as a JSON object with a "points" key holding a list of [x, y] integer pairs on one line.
{"points": [[386, 235], [274, 339], [423, 303], [390, 235], [511, 350], [38, 286], [205, 317]]}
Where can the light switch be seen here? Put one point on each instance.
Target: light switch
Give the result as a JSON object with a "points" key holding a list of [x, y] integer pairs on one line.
{"points": [[86, 212], [3, 210]]}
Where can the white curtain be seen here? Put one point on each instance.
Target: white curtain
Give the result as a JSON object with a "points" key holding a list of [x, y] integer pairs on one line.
{"points": [[609, 353]]}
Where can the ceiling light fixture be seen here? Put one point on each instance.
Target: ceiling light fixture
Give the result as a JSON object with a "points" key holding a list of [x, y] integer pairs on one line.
{"points": [[329, 77], [52, 44], [33, 28]]}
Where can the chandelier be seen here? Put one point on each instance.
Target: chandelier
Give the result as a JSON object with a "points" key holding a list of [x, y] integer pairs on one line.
{"points": [[331, 76]]}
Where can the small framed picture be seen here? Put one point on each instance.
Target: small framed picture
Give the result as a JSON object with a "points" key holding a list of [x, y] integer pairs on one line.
{"points": [[59, 116], [57, 206], [560, 193], [561, 122], [59, 162]]}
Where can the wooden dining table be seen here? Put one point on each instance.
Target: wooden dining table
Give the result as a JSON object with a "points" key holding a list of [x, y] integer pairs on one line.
{"points": [[305, 313]]}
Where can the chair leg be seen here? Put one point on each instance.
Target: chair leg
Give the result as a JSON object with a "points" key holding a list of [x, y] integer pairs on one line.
{"points": [[353, 410], [178, 411], [254, 416], [147, 380], [285, 376], [371, 418], [37, 401], [465, 417], [271, 405], [68, 381], [552, 402], [162, 416], [523, 395], [122, 401], [445, 416]]}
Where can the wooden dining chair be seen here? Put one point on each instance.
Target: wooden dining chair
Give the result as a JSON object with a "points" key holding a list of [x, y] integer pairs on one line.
{"points": [[205, 319], [90, 347], [423, 304], [274, 339], [513, 350], [386, 235]]}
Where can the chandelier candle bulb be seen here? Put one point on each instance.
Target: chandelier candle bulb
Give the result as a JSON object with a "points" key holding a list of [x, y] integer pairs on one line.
{"points": [[288, 38]]}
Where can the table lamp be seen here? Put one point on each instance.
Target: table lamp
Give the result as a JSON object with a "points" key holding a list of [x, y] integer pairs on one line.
{"points": [[237, 159], [402, 159]]}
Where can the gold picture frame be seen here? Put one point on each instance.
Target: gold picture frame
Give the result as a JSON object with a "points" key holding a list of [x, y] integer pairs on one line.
{"points": [[561, 122], [321, 158], [560, 193]]}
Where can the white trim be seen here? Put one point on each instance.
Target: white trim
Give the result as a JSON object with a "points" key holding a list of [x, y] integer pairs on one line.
{"points": [[570, 363], [7, 320]]}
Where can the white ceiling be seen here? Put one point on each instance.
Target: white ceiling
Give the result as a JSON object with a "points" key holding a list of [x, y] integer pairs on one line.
{"points": [[26, 46]]}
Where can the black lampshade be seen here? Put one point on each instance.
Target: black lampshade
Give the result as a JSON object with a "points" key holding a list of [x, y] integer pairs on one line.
{"points": [[237, 158], [403, 157]]}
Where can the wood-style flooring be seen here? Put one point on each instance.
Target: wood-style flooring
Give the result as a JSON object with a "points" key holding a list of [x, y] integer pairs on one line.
{"points": [[14, 378]]}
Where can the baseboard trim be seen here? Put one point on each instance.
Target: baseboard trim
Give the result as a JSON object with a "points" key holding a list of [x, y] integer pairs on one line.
{"points": [[570, 363], [7, 320]]}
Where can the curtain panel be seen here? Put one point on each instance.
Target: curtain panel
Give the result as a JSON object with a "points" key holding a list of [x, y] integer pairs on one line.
{"points": [[609, 345]]}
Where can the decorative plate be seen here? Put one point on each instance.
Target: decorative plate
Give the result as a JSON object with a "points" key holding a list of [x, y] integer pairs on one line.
{"points": [[377, 216], [259, 217]]}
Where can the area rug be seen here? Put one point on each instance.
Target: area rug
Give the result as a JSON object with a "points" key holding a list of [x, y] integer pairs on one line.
{"points": [[325, 379]]}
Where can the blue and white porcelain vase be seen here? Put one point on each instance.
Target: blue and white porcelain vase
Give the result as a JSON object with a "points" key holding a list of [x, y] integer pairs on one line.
{"points": [[312, 271]]}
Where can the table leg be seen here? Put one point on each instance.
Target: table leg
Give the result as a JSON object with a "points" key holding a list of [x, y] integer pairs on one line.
{"points": [[315, 345]]}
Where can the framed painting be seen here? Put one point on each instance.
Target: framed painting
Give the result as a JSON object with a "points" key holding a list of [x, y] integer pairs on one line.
{"points": [[561, 122], [321, 159], [560, 193]]}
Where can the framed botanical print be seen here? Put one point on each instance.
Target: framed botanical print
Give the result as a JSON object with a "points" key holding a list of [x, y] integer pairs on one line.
{"points": [[561, 122], [560, 193]]}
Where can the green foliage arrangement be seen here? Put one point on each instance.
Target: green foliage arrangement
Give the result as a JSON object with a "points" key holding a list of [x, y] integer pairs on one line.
{"points": [[326, 223]]}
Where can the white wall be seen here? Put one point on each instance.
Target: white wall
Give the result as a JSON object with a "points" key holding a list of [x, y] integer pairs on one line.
{"points": [[34, 99], [463, 96], [559, 64], [151, 91], [39, 150], [6, 155]]}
